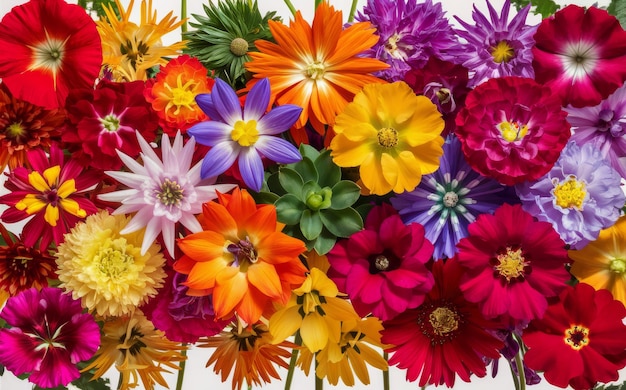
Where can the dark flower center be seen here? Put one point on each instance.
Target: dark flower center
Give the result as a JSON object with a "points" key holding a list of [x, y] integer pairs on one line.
{"points": [[381, 262], [244, 253], [133, 54], [170, 193], [239, 47], [577, 337], [134, 340], [246, 338], [510, 264], [387, 137], [439, 321], [608, 121]]}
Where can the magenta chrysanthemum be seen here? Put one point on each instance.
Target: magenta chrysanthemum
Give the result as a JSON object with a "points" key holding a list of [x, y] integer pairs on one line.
{"points": [[580, 54], [512, 129]]}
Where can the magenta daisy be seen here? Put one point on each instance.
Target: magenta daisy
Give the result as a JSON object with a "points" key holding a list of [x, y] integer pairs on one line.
{"points": [[53, 193], [514, 263], [512, 129], [580, 53], [382, 268], [48, 335]]}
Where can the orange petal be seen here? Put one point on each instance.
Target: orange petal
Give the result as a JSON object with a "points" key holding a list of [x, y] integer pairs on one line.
{"points": [[263, 276], [204, 274], [252, 305], [230, 288], [203, 246], [218, 219], [278, 248]]}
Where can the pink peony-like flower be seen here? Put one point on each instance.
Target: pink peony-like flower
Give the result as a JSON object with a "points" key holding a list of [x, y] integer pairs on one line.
{"points": [[512, 129], [580, 54], [514, 263], [382, 268]]}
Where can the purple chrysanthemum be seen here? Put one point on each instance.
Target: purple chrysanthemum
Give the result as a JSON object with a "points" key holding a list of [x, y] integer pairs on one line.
{"points": [[498, 47], [410, 33], [604, 126], [244, 135], [448, 200], [580, 195]]}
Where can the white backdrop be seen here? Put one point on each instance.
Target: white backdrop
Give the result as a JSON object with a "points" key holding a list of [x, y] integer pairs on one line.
{"points": [[197, 376]]}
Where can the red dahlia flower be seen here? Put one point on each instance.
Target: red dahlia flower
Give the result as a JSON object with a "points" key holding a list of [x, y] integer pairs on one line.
{"points": [[580, 340], [580, 54], [512, 129], [48, 47], [514, 263]]}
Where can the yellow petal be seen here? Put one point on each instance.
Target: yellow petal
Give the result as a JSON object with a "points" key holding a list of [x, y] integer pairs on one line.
{"points": [[72, 207], [51, 174], [314, 332], [52, 215], [66, 188], [38, 182], [358, 366], [284, 323], [372, 176], [31, 204]]}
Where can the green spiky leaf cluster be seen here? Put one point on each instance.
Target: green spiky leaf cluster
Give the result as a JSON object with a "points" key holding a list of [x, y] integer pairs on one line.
{"points": [[225, 21], [96, 7], [313, 201], [545, 8], [612, 387]]}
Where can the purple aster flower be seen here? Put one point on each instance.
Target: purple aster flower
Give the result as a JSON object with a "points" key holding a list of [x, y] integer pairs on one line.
{"points": [[497, 48], [580, 195], [244, 135], [47, 337], [604, 126], [410, 33], [448, 200]]}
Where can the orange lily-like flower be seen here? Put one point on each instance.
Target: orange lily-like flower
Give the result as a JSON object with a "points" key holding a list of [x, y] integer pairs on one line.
{"points": [[316, 67], [241, 257]]}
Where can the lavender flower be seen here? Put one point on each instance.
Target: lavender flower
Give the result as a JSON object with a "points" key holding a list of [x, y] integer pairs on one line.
{"points": [[497, 48], [448, 200], [604, 126], [410, 33], [244, 135], [580, 195]]}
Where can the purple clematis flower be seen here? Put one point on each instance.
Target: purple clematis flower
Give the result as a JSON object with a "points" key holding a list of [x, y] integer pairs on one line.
{"points": [[244, 135]]}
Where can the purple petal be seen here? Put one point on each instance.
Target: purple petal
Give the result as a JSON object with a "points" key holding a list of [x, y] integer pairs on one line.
{"points": [[279, 119], [218, 160], [210, 133], [205, 102], [257, 100], [226, 102], [278, 150], [251, 168]]}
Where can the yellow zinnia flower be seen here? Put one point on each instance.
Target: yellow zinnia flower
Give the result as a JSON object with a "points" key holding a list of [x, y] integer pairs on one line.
{"points": [[393, 135], [105, 269], [602, 263]]}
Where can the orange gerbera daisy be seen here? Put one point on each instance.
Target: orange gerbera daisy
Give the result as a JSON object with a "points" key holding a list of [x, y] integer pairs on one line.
{"points": [[241, 257], [316, 67]]}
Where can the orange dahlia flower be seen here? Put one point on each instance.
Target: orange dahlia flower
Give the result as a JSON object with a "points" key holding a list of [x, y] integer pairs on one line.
{"points": [[316, 66], [241, 257]]}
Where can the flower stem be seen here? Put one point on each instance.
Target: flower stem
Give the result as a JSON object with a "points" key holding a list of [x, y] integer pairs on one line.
{"points": [[120, 381], [515, 377], [386, 372], [317, 3], [292, 362], [319, 382], [183, 16], [520, 370], [290, 6], [181, 372], [352, 11]]}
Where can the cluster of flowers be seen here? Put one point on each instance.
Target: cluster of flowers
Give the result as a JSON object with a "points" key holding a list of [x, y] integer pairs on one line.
{"points": [[313, 191]]}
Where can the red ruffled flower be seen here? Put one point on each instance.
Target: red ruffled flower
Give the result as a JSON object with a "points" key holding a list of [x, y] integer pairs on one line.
{"points": [[512, 129], [444, 337], [105, 119], [514, 263], [581, 339], [580, 54], [48, 47]]}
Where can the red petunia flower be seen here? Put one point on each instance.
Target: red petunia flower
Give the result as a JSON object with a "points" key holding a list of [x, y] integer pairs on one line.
{"points": [[48, 47], [580, 54], [512, 129], [105, 119], [444, 337], [514, 263], [581, 339], [382, 268]]}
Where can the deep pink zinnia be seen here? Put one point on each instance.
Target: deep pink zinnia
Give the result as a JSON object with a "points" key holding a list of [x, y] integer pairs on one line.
{"points": [[48, 47], [382, 268], [444, 337], [580, 54], [581, 339], [105, 119], [48, 335], [514, 263], [512, 129]]}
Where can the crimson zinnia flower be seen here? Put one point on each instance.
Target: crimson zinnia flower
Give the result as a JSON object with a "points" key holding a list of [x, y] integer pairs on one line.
{"points": [[512, 129], [444, 337], [581, 339], [514, 263], [48, 47], [48, 335]]}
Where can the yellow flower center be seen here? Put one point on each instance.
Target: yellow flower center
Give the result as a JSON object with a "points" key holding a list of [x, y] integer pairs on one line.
{"points": [[387, 137], [511, 263], [182, 97], [239, 47], [443, 321], [315, 70], [245, 133], [112, 260], [15, 130], [502, 52], [617, 265], [110, 123], [570, 193], [391, 46], [512, 131], [577, 337], [170, 193]]}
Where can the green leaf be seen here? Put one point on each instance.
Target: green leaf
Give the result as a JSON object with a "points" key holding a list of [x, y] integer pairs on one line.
{"points": [[308, 188], [306, 169], [545, 8], [273, 183], [619, 7], [289, 209], [291, 181], [345, 193], [324, 242], [342, 223], [611, 387], [311, 224], [264, 197], [308, 151], [329, 173]]}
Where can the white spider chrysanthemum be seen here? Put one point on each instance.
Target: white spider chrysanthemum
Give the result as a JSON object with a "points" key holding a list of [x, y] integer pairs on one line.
{"points": [[163, 192]]}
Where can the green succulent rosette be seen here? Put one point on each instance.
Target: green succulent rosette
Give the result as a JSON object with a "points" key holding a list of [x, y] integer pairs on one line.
{"points": [[312, 200]]}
